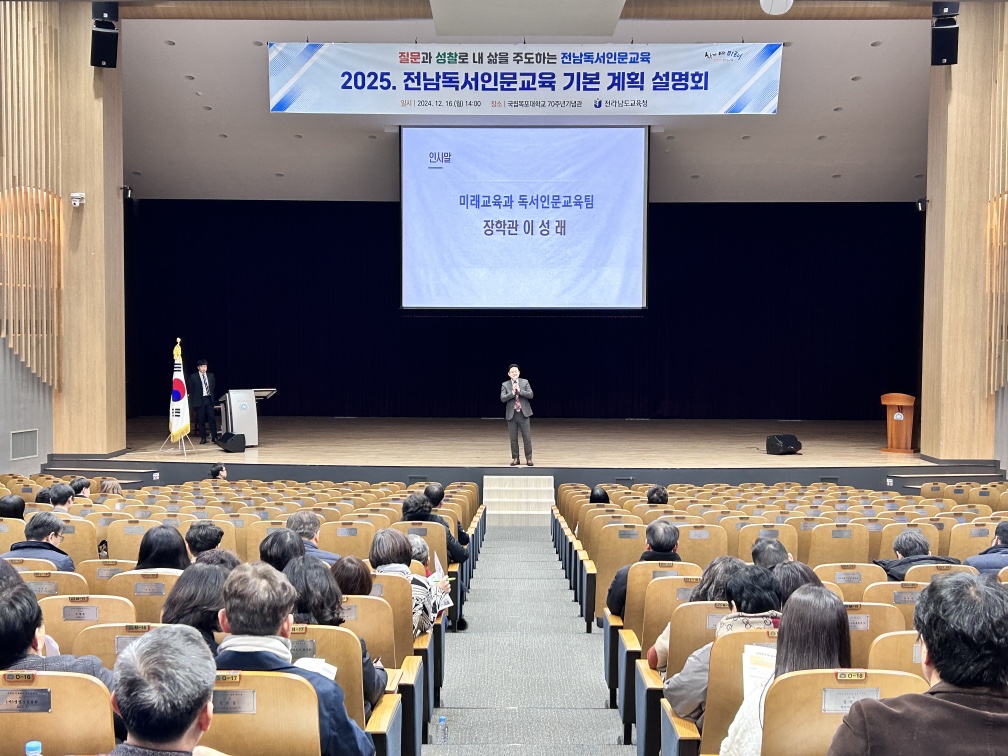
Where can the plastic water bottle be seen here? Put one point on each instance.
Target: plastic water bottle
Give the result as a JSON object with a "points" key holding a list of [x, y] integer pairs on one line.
{"points": [[441, 732], [33, 748]]}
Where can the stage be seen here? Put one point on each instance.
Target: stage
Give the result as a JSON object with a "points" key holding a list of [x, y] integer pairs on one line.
{"points": [[557, 444]]}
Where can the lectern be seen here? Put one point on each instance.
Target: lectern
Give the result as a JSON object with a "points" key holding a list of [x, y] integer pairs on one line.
{"points": [[239, 415], [899, 422]]}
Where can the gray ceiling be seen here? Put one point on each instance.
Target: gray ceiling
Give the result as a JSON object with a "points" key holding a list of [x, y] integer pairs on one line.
{"points": [[833, 139]]}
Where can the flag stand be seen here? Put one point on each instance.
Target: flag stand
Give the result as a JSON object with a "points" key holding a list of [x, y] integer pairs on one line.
{"points": [[181, 443]]}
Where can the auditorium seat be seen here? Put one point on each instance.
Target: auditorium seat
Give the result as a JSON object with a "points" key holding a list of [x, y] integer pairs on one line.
{"points": [[263, 512], [867, 621], [66, 616], [124, 536], [86, 507], [143, 511], [106, 641], [146, 589], [347, 540], [748, 535], [239, 524], [97, 572], [77, 719], [803, 709], [380, 521], [80, 540], [371, 618], [23, 564], [852, 578], [397, 591], [933, 490], [203, 511], [55, 583], [837, 543], [892, 531], [969, 539], [616, 545], [229, 540], [701, 544], [437, 543], [256, 531], [899, 651], [11, 532], [902, 595], [925, 573]]}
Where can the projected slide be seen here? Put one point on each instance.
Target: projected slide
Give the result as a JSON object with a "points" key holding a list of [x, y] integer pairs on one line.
{"points": [[523, 217]]}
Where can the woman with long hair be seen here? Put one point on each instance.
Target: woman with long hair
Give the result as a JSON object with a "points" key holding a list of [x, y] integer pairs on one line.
{"points": [[196, 600], [163, 547], [813, 634]]}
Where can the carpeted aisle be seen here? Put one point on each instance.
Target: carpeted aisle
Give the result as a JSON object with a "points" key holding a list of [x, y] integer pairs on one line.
{"points": [[525, 678]]}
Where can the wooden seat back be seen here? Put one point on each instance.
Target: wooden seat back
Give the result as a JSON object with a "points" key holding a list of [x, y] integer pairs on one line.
{"points": [[639, 578], [55, 583], [892, 531], [616, 545], [398, 592], [692, 626], [899, 651], [66, 616], [11, 532], [433, 534], [146, 589], [903, 596], [340, 648], [925, 573], [124, 537], [701, 544], [838, 543], [749, 534], [852, 578], [868, 621], [107, 641], [661, 597], [371, 618], [969, 539], [347, 539]]}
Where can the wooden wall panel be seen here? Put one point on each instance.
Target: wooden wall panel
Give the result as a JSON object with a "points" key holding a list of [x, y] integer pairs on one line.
{"points": [[957, 410]]}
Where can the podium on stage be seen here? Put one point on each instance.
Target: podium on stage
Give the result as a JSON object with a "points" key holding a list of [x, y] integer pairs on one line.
{"points": [[239, 414], [899, 422]]}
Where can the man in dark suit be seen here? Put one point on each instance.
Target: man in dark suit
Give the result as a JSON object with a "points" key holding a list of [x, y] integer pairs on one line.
{"points": [[962, 620], [516, 393], [202, 388]]}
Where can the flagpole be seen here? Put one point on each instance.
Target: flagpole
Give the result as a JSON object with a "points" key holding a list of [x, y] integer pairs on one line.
{"points": [[178, 410]]}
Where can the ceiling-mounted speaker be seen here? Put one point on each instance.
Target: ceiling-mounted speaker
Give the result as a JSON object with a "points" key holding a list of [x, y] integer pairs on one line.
{"points": [[944, 34], [104, 35]]}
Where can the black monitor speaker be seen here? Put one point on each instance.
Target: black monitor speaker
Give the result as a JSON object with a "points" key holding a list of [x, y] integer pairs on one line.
{"points": [[232, 442], [783, 444], [945, 43], [104, 44]]}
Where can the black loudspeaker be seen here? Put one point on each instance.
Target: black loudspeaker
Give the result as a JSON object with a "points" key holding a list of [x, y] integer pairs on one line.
{"points": [[945, 44], [104, 44], [105, 11], [782, 444], [232, 442]]}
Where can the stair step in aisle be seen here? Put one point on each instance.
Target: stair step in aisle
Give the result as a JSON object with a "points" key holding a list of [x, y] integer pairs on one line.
{"points": [[518, 499]]}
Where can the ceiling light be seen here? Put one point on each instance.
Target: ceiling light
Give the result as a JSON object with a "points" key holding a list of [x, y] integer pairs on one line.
{"points": [[670, 136], [776, 7], [821, 137], [190, 78], [918, 175], [666, 152], [837, 109], [695, 175], [371, 136], [207, 107], [837, 175], [876, 43], [746, 136], [257, 43], [170, 42], [136, 173], [222, 136], [298, 136], [199, 94], [855, 78], [788, 44], [278, 175]]}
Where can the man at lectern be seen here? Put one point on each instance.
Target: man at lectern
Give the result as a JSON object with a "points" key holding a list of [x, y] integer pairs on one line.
{"points": [[516, 393], [201, 396]]}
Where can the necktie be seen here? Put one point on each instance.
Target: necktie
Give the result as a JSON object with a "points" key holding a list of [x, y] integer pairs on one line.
{"points": [[206, 386], [517, 400]]}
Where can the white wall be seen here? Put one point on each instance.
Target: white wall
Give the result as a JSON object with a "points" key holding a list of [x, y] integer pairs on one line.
{"points": [[25, 403]]}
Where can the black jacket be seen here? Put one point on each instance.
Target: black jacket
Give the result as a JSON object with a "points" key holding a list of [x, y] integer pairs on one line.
{"points": [[195, 388], [896, 569], [616, 598], [456, 551]]}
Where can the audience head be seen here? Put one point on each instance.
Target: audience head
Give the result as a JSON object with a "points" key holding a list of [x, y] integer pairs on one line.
{"points": [[911, 543], [258, 600], [42, 496], [390, 547], [792, 576], [60, 495], [163, 547], [753, 590], [279, 547], [712, 582], [81, 486], [218, 471], [44, 526], [434, 493], [12, 507], [20, 622], [110, 486], [305, 524], [163, 685], [421, 551], [9, 573], [598, 496], [1000, 532], [962, 620], [203, 535], [223, 558], [196, 599], [662, 535], [352, 576], [657, 495], [767, 552], [319, 600], [416, 505], [813, 632]]}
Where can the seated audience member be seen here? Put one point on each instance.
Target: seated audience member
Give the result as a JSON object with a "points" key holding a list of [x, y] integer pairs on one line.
{"points": [[279, 547], [598, 495], [306, 525], [435, 495], [110, 487], [755, 598], [9, 574], [203, 535], [813, 635], [662, 541], [912, 548], [391, 554], [22, 638], [218, 472], [319, 602], [163, 548], [416, 507], [43, 536], [792, 576], [657, 495], [258, 612], [990, 561], [767, 552], [223, 558], [421, 552], [163, 689], [12, 507], [42, 496], [710, 588], [962, 621], [81, 487], [352, 576], [196, 601], [61, 496]]}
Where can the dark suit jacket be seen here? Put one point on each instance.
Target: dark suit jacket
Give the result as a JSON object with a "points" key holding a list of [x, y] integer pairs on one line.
{"points": [[507, 396], [946, 720], [616, 598], [195, 388], [339, 735], [41, 550], [990, 561], [456, 551], [896, 569]]}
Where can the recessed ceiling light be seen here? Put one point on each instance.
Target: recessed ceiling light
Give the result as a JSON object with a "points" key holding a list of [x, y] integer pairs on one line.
{"points": [[190, 78], [695, 175], [257, 43], [278, 175], [918, 175], [298, 136], [788, 44], [222, 136], [670, 136], [837, 175], [199, 94], [666, 152], [746, 136], [837, 109], [207, 107], [170, 42], [371, 136], [855, 78], [137, 173], [821, 137], [876, 43]]}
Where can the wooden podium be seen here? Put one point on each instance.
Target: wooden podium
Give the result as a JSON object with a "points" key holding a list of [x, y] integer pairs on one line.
{"points": [[899, 422]]}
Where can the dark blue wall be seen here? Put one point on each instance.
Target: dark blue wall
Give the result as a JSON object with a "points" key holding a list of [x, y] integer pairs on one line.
{"points": [[798, 311]]}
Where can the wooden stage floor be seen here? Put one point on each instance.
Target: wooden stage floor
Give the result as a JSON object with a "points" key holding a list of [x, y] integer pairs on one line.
{"points": [[556, 443]]}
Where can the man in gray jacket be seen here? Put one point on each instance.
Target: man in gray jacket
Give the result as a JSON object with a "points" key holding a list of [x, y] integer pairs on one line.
{"points": [[516, 394], [43, 536]]}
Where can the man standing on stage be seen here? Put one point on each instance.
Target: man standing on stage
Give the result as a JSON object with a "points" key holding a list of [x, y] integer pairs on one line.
{"points": [[516, 393], [201, 396]]}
